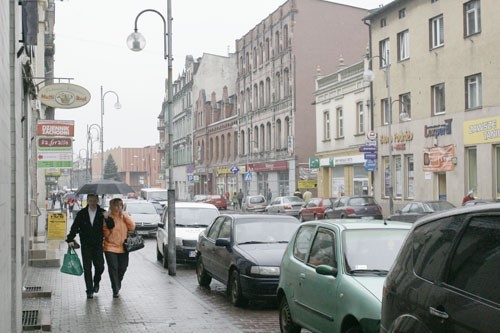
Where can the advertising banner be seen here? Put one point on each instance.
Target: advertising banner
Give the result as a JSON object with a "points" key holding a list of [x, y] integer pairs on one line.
{"points": [[56, 228], [439, 159]]}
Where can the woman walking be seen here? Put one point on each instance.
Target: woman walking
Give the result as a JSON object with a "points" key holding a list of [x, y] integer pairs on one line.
{"points": [[114, 251]]}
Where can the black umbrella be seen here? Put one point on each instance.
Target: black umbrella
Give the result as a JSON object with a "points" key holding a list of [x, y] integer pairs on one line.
{"points": [[105, 187]]}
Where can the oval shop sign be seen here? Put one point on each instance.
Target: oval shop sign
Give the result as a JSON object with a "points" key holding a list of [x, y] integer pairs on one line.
{"points": [[64, 95]]}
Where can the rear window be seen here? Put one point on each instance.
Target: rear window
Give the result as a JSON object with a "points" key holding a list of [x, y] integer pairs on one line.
{"points": [[362, 201], [255, 200], [145, 208], [195, 216], [292, 199]]}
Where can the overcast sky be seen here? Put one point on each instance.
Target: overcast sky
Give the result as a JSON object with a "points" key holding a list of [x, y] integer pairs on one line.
{"points": [[91, 48]]}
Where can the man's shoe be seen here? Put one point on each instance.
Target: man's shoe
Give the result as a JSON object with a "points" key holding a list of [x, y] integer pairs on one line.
{"points": [[116, 295], [90, 295], [96, 288]]}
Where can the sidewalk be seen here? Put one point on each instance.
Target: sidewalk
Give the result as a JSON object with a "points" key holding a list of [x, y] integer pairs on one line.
{"points": [[150, 300]]}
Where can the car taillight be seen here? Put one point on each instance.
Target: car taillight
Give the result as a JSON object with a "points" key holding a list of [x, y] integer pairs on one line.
{"points": [[287, 206], [349, 211]]}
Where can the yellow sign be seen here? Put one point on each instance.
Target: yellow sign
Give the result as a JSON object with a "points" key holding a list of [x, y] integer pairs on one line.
{"points": [[308, 184], [486, 130], [56, 226]]}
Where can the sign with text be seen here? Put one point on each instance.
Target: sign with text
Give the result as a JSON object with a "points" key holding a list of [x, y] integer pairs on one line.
{"points": [[64, 95], [56, 228], [439, 159], [55, 128], [485, 130]]}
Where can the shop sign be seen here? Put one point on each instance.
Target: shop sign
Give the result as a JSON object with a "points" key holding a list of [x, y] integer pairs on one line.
{"points": [[346, 160], [438, 130], [56, 128], [64, 95], [439, 159], [314, 162], [222, 171], [326, 162], [485, 130], [269, 166], [401, 137]]}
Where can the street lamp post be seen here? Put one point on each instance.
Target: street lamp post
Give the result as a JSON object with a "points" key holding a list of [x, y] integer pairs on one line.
{"points": [[91, 141], [117, 106], [387, 66], [136, 42]]}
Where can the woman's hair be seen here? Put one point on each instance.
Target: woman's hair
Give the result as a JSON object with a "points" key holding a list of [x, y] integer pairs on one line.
{"points": [[115, 201]]}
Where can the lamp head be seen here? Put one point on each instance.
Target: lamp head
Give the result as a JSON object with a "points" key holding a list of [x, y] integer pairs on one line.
{"points": [[118, 105], [136, 41]]}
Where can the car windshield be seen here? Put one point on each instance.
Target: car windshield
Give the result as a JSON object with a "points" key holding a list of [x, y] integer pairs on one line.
{"points": [[195, 217], [144, 208], [437, 206], [371, 250], [292, 200], [362, 201], [277, 230]]}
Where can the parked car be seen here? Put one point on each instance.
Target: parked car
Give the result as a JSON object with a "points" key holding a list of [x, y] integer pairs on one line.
{"points": [[190, 219], [199, 197], [355, 207], [217, 200], [144, 215], [315, 209], [254, 203], [477, 202], [289, 205], [244, 251], [416, 209], [332, 274], [445, 279]]}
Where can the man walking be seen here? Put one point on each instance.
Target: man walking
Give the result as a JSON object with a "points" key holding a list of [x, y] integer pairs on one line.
{"points": [[88, 223], [240, 198]]}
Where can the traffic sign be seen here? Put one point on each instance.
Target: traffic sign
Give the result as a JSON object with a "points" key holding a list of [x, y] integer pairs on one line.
{"points": [[370, 149], [371, 135], [370, 156], [234, 169], [248, 176], [370, 167]]}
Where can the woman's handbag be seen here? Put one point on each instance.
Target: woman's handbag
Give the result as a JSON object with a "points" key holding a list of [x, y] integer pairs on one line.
{"points": [[71, 264], [133, 242]]}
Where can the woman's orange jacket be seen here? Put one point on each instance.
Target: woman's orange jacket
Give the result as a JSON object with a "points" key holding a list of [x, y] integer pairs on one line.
{"points": [[114, 238]]}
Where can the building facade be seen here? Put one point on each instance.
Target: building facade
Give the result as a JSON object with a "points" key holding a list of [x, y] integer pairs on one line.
{"points": [[343, 122], [277, 60], [436, 101]]}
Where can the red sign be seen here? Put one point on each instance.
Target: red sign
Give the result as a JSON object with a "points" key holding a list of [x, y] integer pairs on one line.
{"points": [[269, 166], [56, 128]]}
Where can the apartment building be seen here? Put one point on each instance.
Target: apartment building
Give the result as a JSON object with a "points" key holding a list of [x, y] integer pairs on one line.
{"points": [[277, 61], [436, 101], [343, 121]]}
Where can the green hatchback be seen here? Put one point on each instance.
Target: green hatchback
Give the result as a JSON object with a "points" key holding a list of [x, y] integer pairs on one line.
{"points": [[332, 274]]}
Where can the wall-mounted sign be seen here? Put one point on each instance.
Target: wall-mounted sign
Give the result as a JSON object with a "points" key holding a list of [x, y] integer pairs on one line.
{"points": [[64, 95], [483, 130], [438, 130], [55, 128], [439, 159], [401, 137]]}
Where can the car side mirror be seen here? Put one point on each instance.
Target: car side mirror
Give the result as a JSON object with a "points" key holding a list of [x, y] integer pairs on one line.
{"points": [[222, 242], [161, 225], [327, 270]]}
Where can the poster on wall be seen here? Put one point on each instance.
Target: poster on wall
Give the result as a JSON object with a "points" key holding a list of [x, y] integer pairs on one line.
{"points": [[439, 159], [338, 187]]}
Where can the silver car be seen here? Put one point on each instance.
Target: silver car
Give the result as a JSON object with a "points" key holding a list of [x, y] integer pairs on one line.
{"points": [[289, 205], [144, 215], [254, 203]]}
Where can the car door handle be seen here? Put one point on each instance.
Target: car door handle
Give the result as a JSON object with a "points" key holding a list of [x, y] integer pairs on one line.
{"points": [[437, 313], [302, 276]]}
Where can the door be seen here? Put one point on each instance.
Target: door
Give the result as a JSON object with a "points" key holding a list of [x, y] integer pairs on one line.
{"points": [[441, 179], [207, 245], [222, 255]]}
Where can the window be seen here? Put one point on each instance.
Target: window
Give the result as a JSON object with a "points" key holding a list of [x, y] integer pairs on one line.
{"points": [[497, 149], [432, 243], [302, 241], [383, 22], [403, 45], [268, 47], [398, 193], [340, 123], [438, 99], [386, 116], [471, 169], [254, 56], [326, 125], [360, 117], [476, 259], [387, 176], [384, 49], [410, 177], [285, 36], [276, 43], [473, 91], [402, 13], [472, 17], [405, 106], [323, 249], [437, 31], [279, 135]]}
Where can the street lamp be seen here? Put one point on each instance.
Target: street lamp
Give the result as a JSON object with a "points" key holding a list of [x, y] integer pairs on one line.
{"points": [[137, 42], [117, 106], [368, 75], [91, 141]]}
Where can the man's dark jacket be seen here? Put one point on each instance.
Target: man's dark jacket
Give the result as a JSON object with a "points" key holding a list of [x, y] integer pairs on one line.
{"points": [[90, 235]]}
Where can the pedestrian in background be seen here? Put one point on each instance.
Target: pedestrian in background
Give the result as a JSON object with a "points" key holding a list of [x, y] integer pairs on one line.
{"points": [[307, 195], [269, 195], [240, 198], [114, 237], [88, 223], [234, 200], [297, 193], [468, 197]]}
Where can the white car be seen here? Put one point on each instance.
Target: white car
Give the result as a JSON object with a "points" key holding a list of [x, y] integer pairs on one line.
{"points": [[144, 215], [191, 218]]}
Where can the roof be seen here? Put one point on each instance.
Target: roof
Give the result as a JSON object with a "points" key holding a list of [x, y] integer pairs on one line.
{"points": [[183, 204], [353, 224], [472, 209], [384, 9]]}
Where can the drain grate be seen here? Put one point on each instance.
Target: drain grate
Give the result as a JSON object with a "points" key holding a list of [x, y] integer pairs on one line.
{"points": [[33, 289], [30, 320]]}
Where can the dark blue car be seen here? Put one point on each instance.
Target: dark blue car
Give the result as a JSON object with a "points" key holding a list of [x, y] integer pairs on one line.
{"points": [[244, 252]]}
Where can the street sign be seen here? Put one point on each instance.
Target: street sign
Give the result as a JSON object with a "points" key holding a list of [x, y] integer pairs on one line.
{"points": [[370, 162], [370, 156], [248, 176], [234, 169], [372, 136], [370, 149], [370, 167]]}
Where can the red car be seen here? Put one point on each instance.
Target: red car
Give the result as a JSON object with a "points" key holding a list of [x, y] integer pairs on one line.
{"points": [[315, 209], [217, 200]]}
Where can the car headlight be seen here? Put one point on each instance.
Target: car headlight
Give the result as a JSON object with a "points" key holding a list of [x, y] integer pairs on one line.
{"points": [[178, 241], [265, 270]]}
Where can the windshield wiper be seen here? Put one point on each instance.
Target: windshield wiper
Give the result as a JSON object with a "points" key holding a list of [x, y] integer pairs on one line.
{"points": [[369, 271], [253, 242]]}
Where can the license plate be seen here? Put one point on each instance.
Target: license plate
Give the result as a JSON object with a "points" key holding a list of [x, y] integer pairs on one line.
{"points": [[367, 218], [192, 254]]}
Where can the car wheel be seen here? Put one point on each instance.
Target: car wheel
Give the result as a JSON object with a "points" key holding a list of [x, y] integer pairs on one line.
{"points": [[165, 257], [201, 274], [286, 322], [158, 254], [355, 329], [301, 218], [234, 290]]}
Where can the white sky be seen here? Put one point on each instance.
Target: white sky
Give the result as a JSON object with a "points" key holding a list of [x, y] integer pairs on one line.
{"points": [[91, 48]]}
